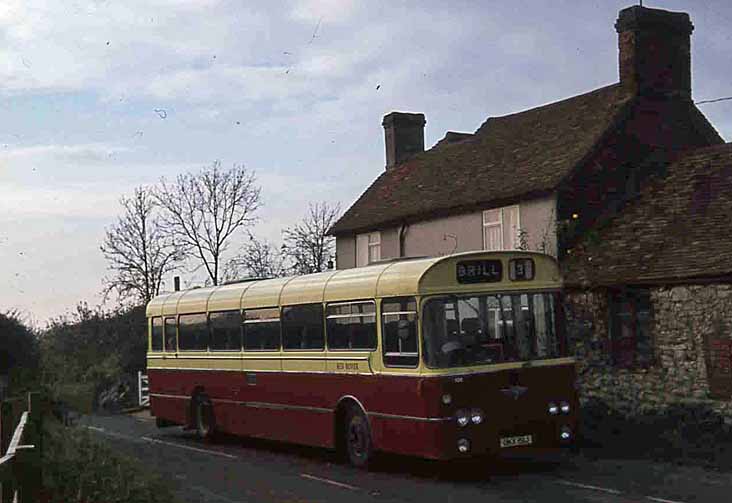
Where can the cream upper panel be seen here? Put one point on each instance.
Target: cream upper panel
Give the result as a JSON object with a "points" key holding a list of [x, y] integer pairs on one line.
{"points": [[306, 289], [155, 306], [228, 297], [441, 277], [356, 283], [265, 293], [170, 306], [194, 301], [402, 278]]}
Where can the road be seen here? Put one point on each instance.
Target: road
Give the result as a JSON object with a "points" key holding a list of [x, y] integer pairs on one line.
{"points": [[246, 470]]}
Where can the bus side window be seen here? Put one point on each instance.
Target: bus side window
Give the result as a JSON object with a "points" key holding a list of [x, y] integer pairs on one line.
{"points": [[156, 334], [351, 325], [192, 332], [262, 329], [302, 327], [399, 331], [226, 330], [170, 335]]}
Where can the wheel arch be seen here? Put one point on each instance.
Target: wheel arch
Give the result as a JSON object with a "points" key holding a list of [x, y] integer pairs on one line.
{"points": [[344, 404]]}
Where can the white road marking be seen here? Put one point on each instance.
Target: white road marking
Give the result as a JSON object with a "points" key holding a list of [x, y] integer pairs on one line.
{"points": [[661, 500], [163, 442], [204, 491], [611, 491], [111, 433], [188, 447], [588, 486], [331, 482]]}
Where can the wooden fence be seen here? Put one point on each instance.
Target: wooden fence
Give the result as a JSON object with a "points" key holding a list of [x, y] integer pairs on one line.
{"points": [[20, 446]]}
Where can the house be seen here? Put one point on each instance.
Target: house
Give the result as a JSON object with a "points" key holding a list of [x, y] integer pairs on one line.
{"points": [[565, 178]]}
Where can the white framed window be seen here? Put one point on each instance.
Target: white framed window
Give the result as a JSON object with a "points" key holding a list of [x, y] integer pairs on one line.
{"points": [[501, 227], [368, 248], [374, 247]]}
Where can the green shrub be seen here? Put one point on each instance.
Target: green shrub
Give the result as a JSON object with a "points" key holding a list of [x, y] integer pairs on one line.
{"points": [[80, 468]]}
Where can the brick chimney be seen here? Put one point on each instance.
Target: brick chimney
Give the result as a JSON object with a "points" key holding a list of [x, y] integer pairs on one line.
{"points": [[403, 135], [655, 51]]}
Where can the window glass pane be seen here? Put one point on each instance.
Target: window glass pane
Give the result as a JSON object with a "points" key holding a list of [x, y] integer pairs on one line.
{"points": [[492, 237], [303, 327], [492, 216], [192, 332], [225, 330], [510, 227], [523, 326], [262, 329], [170, 337], [156, 334], [362, 250], [489, 329], [631, 327], [399, 318], [547, 342], [352, 326]]}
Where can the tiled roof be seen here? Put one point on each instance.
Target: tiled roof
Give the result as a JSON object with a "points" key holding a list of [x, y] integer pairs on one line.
{"points": [[524, 153], [679, 228]]}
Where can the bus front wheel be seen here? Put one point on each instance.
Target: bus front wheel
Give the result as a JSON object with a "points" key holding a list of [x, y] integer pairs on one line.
{"points": [[358, 439], [204, 417]]}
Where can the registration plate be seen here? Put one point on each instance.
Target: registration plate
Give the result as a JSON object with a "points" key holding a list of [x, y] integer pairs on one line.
{"points": [[516, 441]]}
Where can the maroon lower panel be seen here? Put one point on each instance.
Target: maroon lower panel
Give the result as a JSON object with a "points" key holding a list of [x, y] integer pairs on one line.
{"points": [[313, 399], [301, 407]]}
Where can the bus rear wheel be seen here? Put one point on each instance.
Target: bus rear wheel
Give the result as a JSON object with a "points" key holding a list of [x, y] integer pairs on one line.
{"points": [[357, 439], [203, 417]]}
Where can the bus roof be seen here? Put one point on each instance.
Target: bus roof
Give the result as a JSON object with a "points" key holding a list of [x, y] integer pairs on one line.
{"points": [[403, 277]]}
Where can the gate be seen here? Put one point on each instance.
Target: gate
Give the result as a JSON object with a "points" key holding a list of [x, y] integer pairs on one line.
{"points": [[143, 390]]}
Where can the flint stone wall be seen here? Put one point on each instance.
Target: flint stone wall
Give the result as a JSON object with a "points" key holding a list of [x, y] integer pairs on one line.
{"points": [[685, 319]]}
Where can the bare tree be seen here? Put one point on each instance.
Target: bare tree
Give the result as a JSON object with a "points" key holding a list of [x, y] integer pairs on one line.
{"points": [[203, 210], [256, 259], [306, 244], [138, 252]]}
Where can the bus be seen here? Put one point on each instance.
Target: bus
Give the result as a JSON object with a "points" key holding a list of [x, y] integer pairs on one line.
{"points": [[442, 358]]}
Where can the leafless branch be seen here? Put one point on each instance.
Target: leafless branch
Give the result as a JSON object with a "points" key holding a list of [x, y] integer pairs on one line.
{"points": [[202, 211], [256, 259], [138, 252], [306, 244]]}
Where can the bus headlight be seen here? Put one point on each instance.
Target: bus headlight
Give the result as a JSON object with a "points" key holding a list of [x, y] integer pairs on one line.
{"points": [[462, 417], [476, 415], [565, 433], [553, 409], [447, 398], [463, 445], [564, 407]]}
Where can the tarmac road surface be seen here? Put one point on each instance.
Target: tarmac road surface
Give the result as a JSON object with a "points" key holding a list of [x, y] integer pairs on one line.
{"points": [[238, 470]]}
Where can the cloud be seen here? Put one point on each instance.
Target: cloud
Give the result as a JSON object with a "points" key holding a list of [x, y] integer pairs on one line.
{"points": [[327, 11]]}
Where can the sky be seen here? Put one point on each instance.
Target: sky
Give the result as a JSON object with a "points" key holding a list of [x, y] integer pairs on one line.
{"points": [[98, 97]]}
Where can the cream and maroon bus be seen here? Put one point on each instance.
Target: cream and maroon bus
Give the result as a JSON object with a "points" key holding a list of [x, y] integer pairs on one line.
{"points": [[446, 357]]}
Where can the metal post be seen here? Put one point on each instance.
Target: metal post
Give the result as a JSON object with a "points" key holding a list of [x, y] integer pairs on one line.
{"points": [[139, 387]]}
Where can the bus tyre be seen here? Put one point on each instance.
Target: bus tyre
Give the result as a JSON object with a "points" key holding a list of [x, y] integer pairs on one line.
{"points": [[358, 439], [203, 417]]}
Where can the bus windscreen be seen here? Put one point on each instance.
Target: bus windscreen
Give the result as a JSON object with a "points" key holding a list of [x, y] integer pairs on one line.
{"points": [[485, 329]]}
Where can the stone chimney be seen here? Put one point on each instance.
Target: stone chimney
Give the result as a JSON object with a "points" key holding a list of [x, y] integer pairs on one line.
{"points": [[655, 51], [403, 135]]}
